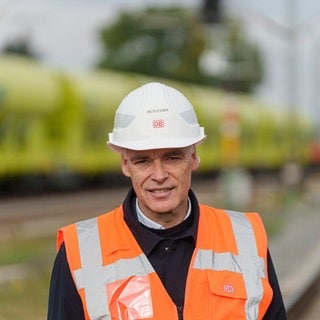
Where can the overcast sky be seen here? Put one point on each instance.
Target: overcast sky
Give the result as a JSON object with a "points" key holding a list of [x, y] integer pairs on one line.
{"points": [[64, 33]]}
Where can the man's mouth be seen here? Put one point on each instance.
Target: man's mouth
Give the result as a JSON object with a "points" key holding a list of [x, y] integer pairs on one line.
{"points": [[160, 191]]}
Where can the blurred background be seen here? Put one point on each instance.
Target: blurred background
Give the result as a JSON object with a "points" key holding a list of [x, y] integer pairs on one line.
{"points": [[251, 70]]}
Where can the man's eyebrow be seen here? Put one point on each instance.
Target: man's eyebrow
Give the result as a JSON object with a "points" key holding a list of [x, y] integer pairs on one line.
{"points": [[166, 154], [173, 153], [139, 157]]}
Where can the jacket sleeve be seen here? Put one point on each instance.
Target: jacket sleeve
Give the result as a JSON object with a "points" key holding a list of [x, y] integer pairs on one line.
{"points": [[276, 309], [64, 300]]}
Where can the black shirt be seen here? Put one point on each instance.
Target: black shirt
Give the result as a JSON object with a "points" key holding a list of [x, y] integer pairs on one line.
{"points": [[168, 250]]}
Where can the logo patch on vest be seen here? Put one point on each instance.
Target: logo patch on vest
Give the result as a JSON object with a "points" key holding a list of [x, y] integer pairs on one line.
{"points": [[228, 288], [159, 123]]}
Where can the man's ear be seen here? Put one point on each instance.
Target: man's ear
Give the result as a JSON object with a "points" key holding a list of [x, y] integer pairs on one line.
{"points": [[124, 165], [196, 160]]}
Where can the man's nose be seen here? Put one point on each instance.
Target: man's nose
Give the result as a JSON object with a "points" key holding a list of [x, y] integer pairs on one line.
{"points": [[159, 172]]}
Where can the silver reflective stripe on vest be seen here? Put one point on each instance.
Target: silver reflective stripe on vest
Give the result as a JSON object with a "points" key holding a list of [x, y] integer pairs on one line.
{"points": [[93, 276], [252, 272], [247, 262]]}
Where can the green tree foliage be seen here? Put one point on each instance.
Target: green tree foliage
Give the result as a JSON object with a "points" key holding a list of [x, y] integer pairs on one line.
{"points": [[22, 47], [164, 43], [170, 42], [244, 65]]}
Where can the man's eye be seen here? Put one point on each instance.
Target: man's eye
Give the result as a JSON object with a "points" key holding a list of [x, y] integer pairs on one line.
{"points": [[173, 159], [140, 161]]}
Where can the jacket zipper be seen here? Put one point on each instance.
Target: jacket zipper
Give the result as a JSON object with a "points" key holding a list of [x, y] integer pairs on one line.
{"points": [[180, 313]]}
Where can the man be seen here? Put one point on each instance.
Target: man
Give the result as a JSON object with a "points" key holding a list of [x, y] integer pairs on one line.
{"points": [[162, 255]]}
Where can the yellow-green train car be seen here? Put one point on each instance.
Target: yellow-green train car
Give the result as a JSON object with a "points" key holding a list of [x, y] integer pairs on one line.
{"points": [[55, 123]]}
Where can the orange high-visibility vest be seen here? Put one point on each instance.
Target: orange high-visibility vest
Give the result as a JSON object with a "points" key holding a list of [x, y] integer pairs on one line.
{"points": [[227, 277]]}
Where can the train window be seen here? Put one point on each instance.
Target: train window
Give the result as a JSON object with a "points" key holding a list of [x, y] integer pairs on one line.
{"points": [[95, 132], [13, 132], [53, 130], [3, 129], [248, 133], [3, 95], [21, 132]]}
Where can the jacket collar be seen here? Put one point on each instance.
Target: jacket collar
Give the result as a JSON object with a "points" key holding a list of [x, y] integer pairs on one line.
{"points": [[148, 238]]}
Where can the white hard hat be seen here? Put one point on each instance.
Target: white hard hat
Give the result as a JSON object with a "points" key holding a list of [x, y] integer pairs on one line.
{"points": [[155, 116]]}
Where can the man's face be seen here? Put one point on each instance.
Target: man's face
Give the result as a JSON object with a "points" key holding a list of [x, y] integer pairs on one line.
{"points": [[161, 179]]}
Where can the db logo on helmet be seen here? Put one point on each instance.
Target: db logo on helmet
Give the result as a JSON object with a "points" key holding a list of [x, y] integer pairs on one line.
{"points": [[158, 123]]}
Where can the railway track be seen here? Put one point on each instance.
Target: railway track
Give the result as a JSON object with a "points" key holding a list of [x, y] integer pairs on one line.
{"points": [[43, 214], [306, 303], [36, 216]]}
